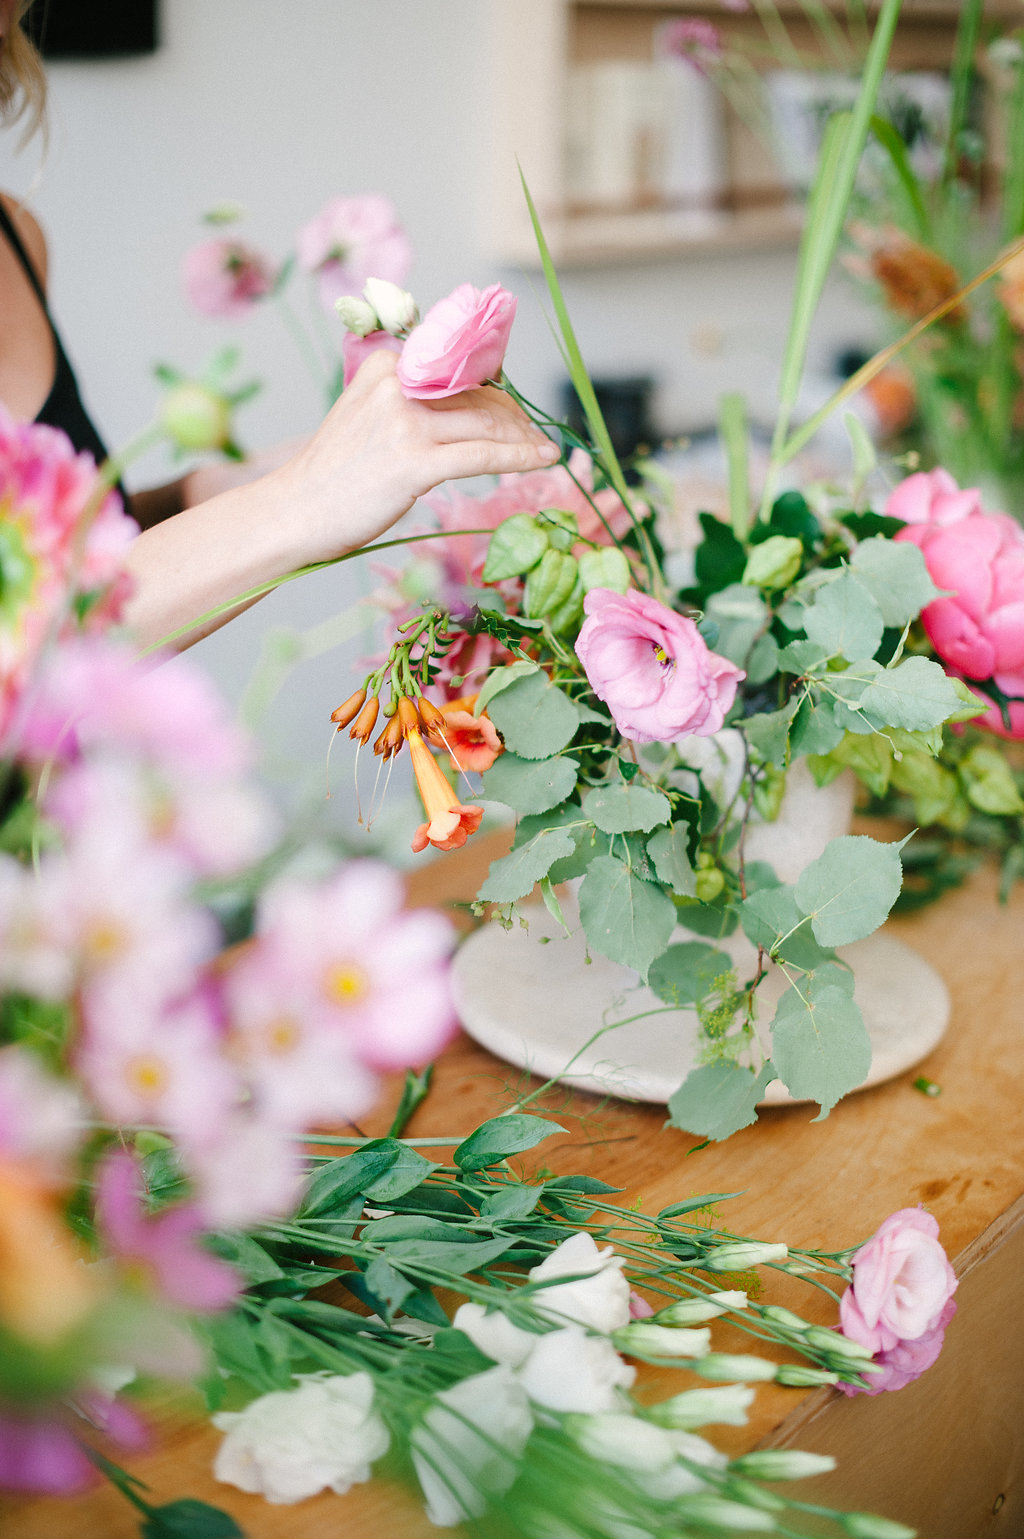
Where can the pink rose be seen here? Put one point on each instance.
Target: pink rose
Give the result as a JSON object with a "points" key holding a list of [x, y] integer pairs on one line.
{"points": [[932, 497], [977, 625], [653, 669], [459, 343], [355, 350], [225, 278], [900, 1300], [350, 240]]}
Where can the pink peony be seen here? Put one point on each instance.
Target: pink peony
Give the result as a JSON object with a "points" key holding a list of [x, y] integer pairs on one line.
{"points": [[350, 240], [900, 1300], [977, 625], [932, 497], [653, 669], [355, 350], [225, 278], [459, 344]]}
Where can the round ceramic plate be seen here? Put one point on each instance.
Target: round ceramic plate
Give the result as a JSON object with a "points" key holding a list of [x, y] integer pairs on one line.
{"points": [[530, 996]]}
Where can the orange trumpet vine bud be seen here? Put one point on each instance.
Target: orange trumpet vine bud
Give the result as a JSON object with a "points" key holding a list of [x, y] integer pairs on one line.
{"points": [[366, 720], [449, 824], [408, 715], [390, 740], [352, 706], [431, 715]]}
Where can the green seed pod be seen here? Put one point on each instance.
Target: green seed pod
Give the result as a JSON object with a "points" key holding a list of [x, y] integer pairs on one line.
{"points": [[606, 567], [549, 584], [560, 526], [567, 616], [516, 546]]}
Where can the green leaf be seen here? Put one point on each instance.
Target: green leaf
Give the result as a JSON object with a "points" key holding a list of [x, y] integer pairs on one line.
{"points": [[242, 1252], [820, 1045], [741, 614], [771, 919], [626, 809], [849, 890], [515, 875], [530, 785], [385, 1168], [694, 1204], [406, 1171], [845, 620], [391, 1287], [534, 716], [815, 729], [516, 545], [189, 1519], [500, 679], [511, 1202], [718, 1099], [720, 557], [447, 1255], [768, 732], [501, 1137], [625, 918], [684, 973], [896, 577], [669, 849], [916, 694]]}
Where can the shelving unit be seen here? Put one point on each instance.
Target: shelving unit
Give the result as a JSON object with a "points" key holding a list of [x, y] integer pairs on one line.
{"points": [[715, 185]]}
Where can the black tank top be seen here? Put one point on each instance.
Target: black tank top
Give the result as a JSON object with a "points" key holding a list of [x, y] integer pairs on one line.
{"points": [[63, 406]]}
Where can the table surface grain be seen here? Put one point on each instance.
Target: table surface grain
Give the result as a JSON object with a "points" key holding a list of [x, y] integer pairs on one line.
{"points": [[812, 1184]]}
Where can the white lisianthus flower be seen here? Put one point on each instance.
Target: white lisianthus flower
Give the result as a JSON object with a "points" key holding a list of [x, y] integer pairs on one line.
{"points": [[598, 1296], [292, 1443], [743, 1254], [395, 308], [356, 315], [493, 1334], [644, 1338], [466, 1449], [568, 1370]]}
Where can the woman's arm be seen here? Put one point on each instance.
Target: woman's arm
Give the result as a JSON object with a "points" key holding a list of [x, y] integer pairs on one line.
{"points": [[373, 455]]}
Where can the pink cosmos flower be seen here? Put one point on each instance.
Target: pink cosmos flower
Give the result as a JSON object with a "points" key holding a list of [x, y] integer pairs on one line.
{"points": [[226, 278], [350, 240], [459, 343], [977, 625], [900, 1300], [653, 669], [251, 1172], [41, 1117], [166, 1245], [932, 497], [355, 350]]}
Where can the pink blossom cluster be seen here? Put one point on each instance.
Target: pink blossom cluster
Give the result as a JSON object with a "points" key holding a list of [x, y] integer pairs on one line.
{"points": [[976, 625], [226, 278], [61, 538]]}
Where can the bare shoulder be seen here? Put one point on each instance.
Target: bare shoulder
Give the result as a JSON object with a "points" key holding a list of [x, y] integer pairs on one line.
{"points": [[30, 231]]}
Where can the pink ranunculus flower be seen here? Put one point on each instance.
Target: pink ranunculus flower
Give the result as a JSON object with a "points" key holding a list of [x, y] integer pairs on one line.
{"points": [[900, 1300], [977, 625], [355, 350], [225, 278], [653, 669], [932, 497], [350, 240], [459, 343]]}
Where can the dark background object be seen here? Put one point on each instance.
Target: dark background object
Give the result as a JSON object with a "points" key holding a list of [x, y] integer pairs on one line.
{"points": [[93, 29], [625, 403]]}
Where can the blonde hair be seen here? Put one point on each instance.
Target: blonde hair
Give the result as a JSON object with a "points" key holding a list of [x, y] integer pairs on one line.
{"points": [[22, 80]]}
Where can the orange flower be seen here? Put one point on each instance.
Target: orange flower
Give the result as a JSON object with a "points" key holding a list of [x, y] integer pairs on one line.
{"points": [[449, 824], [472, 741], [1011, 290], [45, 1291], [914, 278]]}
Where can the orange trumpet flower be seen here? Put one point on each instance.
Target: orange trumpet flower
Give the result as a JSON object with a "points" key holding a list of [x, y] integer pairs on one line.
{"points": [[449, 824], [472, 741]]}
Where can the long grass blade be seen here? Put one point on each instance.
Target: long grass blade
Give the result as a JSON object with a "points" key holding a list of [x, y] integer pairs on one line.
{"points": [[732, 423]]}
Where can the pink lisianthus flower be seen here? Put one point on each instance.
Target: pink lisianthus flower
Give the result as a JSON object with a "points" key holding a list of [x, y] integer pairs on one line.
{"points": [[350, 240], [977, 625], [355, 350], [932, 497], [901, 1298], [166, 1245], [459, 343], [226, 278], [653, 669]]}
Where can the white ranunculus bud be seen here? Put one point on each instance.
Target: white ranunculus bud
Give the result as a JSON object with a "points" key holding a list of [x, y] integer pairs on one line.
{"points": [[395, 308], [292, 1443], [743, 1254], [356, 315]]}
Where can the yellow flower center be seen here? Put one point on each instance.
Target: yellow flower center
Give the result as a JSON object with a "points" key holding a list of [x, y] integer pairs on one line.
{"points": [[346, 984], [282, 1034], [147, 1075], [104, 939]]}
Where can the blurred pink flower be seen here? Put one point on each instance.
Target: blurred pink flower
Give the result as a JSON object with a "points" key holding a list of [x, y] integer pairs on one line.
{"points": [[226, 278], [40, 1454], [350, 240], [900, 1300], [355, 350], [166, 1244], [459, 343], [41, 1117], [250, 1172], [932, 497], [653, 668], [694, 39]]}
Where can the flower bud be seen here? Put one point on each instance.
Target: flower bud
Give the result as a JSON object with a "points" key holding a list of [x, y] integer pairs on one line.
{"points": [[784, 1317], [365, 721], [431, 715], [732, 1298], [836, 1343], [352, 706], [645, 1338], [390, 741], [196, 417], [726, 1406], [356, 315], [689, 1312], [742, 1254], [867, 1525], [800, 1377], [783, 1464], [408, 715], [395, 308], [732, 1367], [718, 1512], [605, 567], [774, 562]]}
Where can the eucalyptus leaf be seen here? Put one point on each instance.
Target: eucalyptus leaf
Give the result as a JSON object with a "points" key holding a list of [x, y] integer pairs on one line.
{"points": [[849, 890], [501, 1137], [627, 808], [625, 918], [530, 785], [820, 1045], [534, 716], [845, 620], [516, 874], [718, 1099]]}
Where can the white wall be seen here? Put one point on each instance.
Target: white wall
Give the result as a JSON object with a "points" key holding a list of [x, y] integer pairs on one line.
{"points": [[279, 107]]}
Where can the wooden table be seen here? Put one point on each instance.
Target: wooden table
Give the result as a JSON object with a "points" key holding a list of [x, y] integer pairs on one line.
{"points": [[946, 1454]]}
